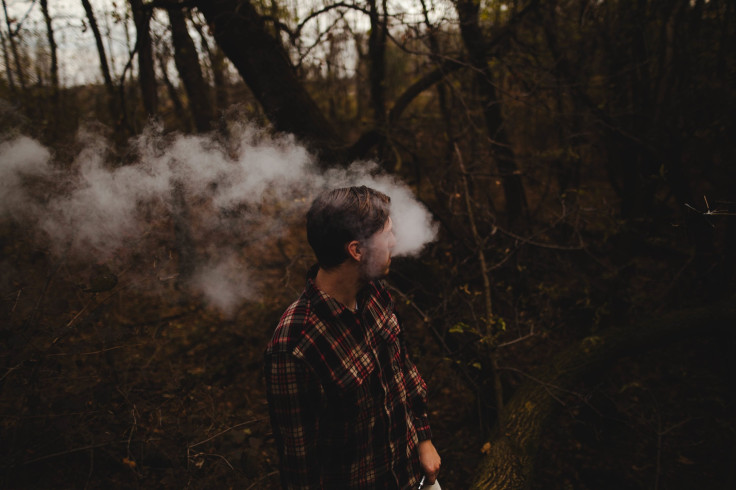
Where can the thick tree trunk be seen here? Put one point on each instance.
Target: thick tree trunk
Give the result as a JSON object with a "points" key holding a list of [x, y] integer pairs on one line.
{"points": [[377, 63], [190, 71], [510, 463], [264, 64], [146, 71], [503, 154]]}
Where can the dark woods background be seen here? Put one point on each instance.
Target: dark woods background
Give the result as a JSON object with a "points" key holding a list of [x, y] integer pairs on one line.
{"points": [[574, 320]]}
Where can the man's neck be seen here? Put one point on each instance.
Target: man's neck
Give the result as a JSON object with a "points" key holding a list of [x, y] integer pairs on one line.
{"points": [[341, 283]]}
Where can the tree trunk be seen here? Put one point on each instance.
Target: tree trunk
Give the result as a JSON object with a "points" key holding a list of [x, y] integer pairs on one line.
{"points": [[475, 44], [109, 85], [146, 70], [53, 121], [181, 114], [510, 463], [190, 71], [183, 236], [217, 64], [377, 63], [8, 69], [570, 130], [264, 64], [14, 51], [217, 59], [54, 69]]}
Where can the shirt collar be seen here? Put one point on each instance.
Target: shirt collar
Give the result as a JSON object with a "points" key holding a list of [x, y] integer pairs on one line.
{"points": [[322, 301], [326, 303]]}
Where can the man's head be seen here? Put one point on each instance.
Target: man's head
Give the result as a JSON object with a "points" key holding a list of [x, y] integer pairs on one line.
{"points": [[341, 217]]}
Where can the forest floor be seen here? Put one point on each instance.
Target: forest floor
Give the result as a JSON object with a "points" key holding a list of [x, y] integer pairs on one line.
{"points": [[122, 389]]}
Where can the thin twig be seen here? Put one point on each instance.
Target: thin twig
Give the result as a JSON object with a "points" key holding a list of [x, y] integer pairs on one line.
{"points": [[425, 316], [227, 430], [94, 352], [71, 322], [10, 370], [257, 482], [530, 240], [547, 386], [91, 469], [440, 340], [215, 455], [79, 449], [480, 244], [519, 339], [16, 300]]}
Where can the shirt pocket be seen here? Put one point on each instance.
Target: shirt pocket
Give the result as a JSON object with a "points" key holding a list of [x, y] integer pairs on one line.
{"points": [[351, 383], [351, 404]]}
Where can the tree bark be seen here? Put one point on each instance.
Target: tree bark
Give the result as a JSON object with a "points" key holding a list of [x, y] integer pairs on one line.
{"points": [[8, 69], [503, 154], [264, 64], [190, 71], [54, 70], [217, 59], [181, 114], [14, 51], [217, 64], [146, 70], [510, 463], [377, 63], [104, 67]]}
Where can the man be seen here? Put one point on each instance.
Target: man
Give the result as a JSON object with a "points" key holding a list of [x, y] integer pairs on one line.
{"points": [[348, 407]]}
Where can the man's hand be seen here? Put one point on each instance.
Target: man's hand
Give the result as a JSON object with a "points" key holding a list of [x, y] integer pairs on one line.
{"points": [[429, 460]]}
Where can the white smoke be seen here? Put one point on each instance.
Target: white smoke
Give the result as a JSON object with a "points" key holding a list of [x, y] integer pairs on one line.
{"points": [[21, 160], [224, 195], [412, 223], [224, 282]]}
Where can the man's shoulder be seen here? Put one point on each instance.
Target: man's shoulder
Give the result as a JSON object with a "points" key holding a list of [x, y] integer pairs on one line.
{"points": [[296, 314], [292, 323]]}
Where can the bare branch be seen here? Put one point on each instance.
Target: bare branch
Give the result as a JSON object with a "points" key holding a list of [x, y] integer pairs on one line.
{"points": [[327, 8], [226, 431]]}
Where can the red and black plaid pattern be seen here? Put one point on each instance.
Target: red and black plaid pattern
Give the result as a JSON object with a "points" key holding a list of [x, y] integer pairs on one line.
{"points": [[347, 405]]}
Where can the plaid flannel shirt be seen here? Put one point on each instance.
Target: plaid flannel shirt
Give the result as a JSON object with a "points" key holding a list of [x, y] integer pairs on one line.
{"points": [[347, 405]]}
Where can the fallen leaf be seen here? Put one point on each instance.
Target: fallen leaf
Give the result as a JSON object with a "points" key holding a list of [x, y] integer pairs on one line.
{"points": [[682, 459]]}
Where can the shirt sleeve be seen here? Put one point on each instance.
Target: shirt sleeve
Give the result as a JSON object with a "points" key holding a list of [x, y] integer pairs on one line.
{"points": [[416, 389], [294, 397]]}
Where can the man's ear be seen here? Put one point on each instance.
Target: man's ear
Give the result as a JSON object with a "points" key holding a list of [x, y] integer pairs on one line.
{"points": [[354, 250]]}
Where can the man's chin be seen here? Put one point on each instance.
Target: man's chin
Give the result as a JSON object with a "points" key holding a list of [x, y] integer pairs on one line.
{"points": [[375, 276]]}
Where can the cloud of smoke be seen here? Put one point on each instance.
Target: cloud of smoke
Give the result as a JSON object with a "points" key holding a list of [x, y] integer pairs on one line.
{"points": [[21, 161], [210, 200], [224, 283]]}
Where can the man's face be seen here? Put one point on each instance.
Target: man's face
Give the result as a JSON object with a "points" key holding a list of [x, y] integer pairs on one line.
{"points": [[378, 253]]}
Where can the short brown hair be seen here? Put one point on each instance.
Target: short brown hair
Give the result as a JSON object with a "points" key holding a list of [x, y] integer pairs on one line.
{"points": [[340, 216]]}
